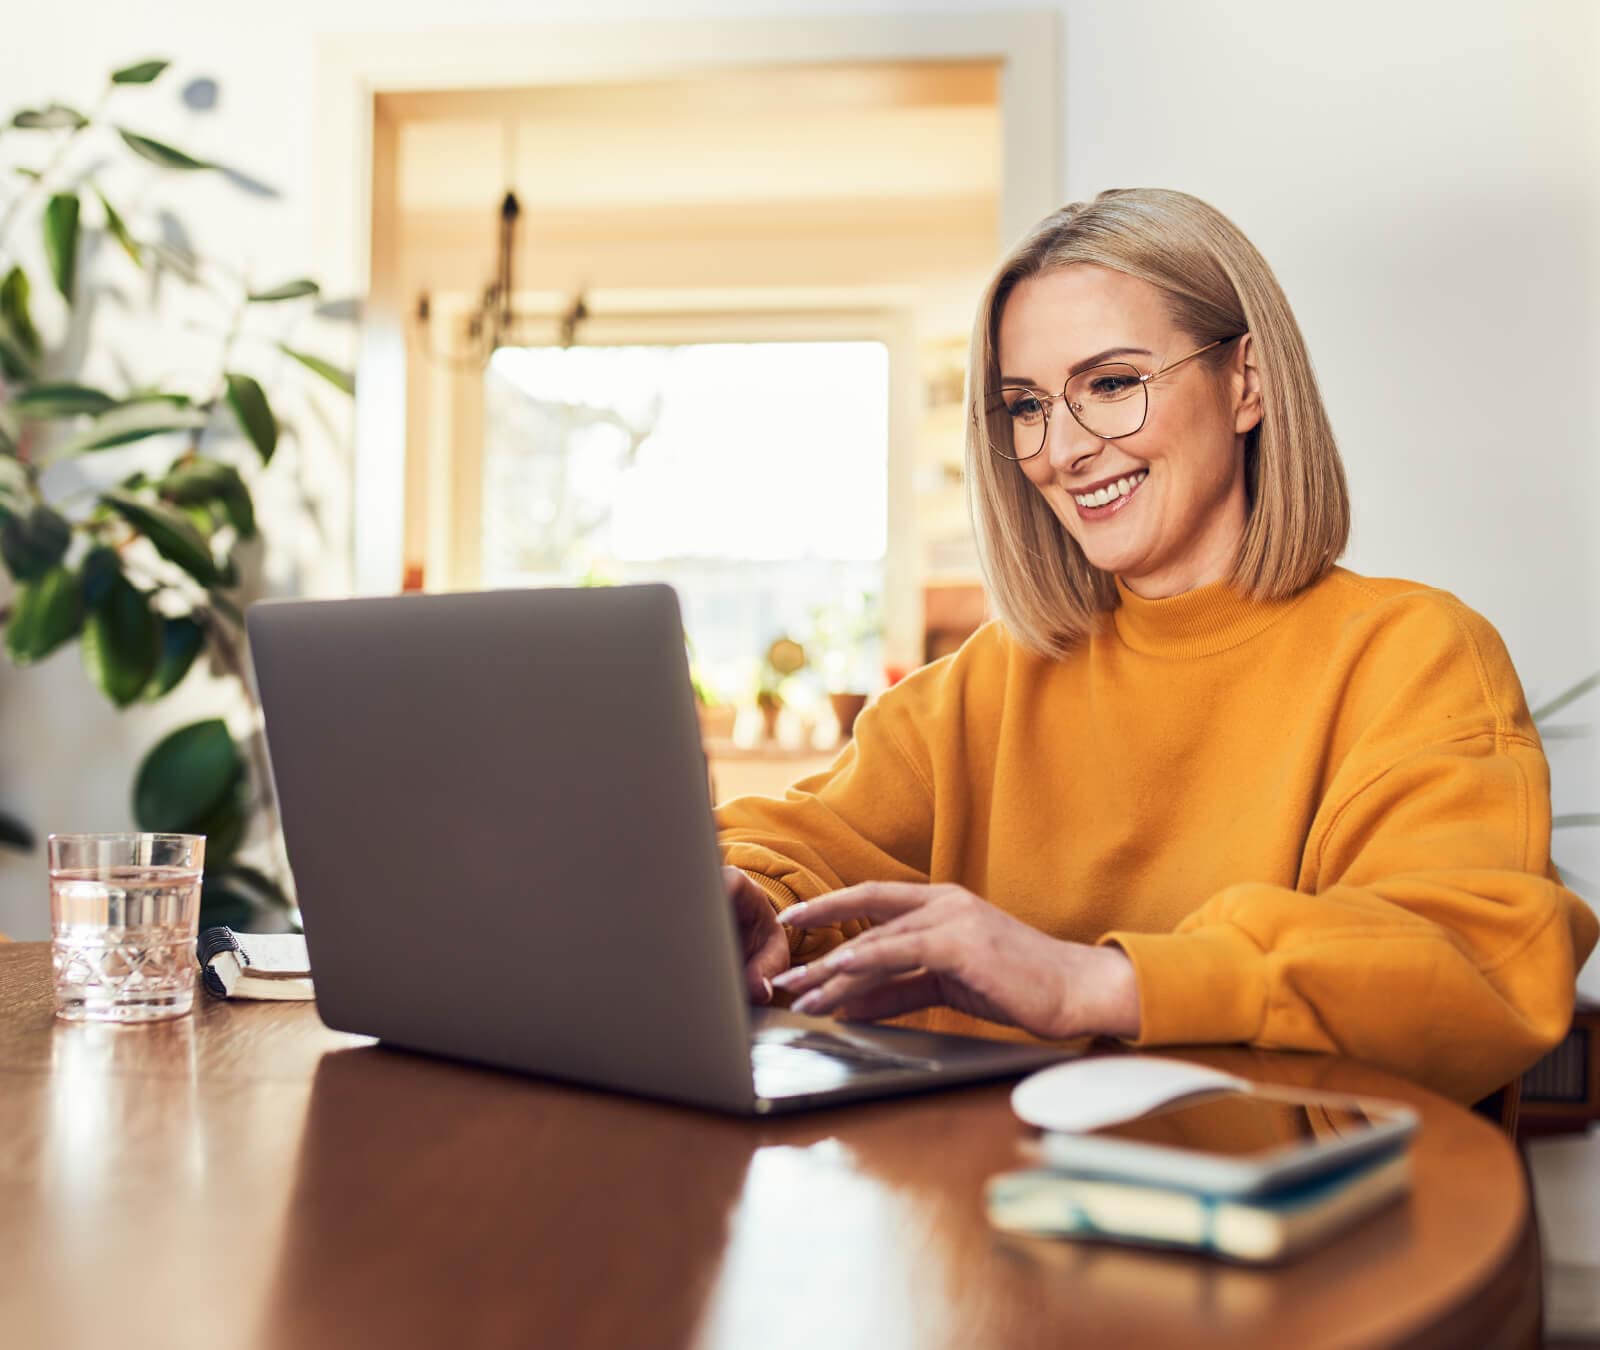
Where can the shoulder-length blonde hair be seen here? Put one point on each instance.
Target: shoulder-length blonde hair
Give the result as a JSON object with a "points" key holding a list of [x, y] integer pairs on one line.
{"points": [[1216, 285]]}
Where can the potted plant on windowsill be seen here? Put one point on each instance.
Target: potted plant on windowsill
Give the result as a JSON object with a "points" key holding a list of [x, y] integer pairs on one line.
{"points": [[783, 659], [844, 641]]}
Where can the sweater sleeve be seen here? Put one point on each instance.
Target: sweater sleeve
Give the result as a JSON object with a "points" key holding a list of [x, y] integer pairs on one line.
{"points": [[867, 817], [1430, 933]]}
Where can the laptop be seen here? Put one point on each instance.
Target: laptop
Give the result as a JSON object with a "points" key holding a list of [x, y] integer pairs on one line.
{"points": [[497, 814]]}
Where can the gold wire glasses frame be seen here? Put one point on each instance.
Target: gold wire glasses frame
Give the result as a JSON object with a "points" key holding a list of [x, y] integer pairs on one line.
{"points": [[1104, 394]]}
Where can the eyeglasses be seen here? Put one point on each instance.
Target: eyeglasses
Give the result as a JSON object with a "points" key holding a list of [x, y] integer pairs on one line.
{"points": [[1109, 401]]}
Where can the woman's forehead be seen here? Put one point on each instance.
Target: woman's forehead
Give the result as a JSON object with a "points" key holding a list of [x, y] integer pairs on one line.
{"points": [[1060, 317]]}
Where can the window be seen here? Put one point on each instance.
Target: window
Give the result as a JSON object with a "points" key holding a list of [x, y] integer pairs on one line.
{"points": [[752, 476]]}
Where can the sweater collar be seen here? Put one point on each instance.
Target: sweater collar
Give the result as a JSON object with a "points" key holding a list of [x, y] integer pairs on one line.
{"points": [[1200, 622]]}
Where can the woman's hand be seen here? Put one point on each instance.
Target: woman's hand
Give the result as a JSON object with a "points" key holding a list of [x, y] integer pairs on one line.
{"points": [[763, 943], [944, 945]]}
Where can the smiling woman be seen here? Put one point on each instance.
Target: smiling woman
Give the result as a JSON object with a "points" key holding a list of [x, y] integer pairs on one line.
{"points": [[1196, 783]]}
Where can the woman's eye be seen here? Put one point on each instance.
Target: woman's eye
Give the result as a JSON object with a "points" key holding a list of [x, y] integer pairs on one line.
{"points": [[1112, 386], [1025, 408]]}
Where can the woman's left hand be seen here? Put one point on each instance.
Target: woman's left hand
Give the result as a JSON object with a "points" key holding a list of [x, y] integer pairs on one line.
{"points": [[944, 945]]}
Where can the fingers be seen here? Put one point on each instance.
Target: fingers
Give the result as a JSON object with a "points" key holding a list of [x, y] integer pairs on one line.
{"points": [[875, 900], [847, 971], [891, 997]]}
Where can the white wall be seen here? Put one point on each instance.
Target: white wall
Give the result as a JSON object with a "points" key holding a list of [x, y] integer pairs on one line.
{"points": [[1423, 178]]}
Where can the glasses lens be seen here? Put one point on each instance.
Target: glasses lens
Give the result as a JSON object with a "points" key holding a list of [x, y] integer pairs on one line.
{"points": [[1025, 410], [1108, 400]]}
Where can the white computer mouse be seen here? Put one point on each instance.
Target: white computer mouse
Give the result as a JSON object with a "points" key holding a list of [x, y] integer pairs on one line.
{"points": [[1086, 1094]]}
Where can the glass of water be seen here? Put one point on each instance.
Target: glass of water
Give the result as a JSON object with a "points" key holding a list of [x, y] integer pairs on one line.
{"points": [[124, 913]]}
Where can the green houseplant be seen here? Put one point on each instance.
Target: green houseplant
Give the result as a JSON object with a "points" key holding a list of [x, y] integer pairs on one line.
{"points": [[127, 516]]}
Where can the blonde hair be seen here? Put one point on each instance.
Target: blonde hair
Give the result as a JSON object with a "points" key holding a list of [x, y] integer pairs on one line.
{"points": [[1216, 285]]}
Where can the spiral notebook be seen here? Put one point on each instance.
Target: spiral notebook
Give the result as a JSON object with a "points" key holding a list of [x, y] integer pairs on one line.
{"points": [[254, 965]]}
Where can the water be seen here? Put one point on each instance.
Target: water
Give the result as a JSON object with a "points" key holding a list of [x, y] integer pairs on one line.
{"points": [[124, 942]]}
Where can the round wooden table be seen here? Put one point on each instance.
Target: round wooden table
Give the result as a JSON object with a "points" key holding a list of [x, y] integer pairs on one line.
{"points": [[247, 1178]]}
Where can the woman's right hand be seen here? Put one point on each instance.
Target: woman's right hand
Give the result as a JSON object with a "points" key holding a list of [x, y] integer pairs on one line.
{"points": [[763, 941]]}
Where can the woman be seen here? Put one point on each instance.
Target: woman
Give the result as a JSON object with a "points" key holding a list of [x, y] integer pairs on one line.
{"points": [[1196, 783]]}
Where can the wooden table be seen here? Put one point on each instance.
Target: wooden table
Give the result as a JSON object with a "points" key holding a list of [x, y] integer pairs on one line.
{"points": [[247, 1178]]}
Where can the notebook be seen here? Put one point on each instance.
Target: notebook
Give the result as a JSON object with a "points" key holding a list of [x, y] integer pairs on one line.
{"points": [[254, 965], [1258, 1229], [508, 792]]}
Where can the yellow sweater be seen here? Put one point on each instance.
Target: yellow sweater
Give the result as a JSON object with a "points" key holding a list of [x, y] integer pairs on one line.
{"points": [[1319, 824]]}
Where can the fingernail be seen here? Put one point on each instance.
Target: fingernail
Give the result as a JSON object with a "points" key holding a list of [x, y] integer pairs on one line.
{"points": [[843, 956], [792, 913], [806, 1002], [791, 976], [766, 990]]}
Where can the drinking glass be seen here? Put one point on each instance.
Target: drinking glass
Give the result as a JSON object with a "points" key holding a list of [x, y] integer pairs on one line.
{"points": [[124, 913]]}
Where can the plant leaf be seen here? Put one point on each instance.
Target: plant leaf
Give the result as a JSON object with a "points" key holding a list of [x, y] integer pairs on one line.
{"points": [[187, 775], [1567, 696], [255, 879], [142, 73], [343, 380], [101, 568], [119, 230], [16, 489], [35, 543], [175, 539], [158, 152], [254, 414], [47, 612], [56, 117], [41, 402], [208, 480], [181, 641], [132, 422], [121, 641], [15, 363], [290, 290], [225, 824], [14, 296], [15, 834], [61, 239], [223, 904]]}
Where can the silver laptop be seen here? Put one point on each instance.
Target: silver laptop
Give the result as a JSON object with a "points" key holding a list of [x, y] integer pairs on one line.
{"points": [[497, 814]]}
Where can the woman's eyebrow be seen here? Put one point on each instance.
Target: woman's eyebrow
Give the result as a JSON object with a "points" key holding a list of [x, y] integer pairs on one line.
{"points": [[1099, 358]]}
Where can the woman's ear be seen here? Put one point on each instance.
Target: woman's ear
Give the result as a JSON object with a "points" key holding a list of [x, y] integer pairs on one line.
{"points": [[1246, 382]]}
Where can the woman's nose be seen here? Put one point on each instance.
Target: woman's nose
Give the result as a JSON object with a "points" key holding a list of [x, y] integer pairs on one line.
{"points": [[1066, 443]]}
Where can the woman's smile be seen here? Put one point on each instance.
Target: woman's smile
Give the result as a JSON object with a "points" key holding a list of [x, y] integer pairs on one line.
{"points": [[1108, 498]]}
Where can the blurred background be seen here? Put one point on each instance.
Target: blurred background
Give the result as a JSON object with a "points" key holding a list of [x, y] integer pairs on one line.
{"points": [[599, 292]]}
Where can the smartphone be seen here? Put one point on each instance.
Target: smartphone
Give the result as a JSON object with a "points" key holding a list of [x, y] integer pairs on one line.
{"points": [[1233, 1142]]}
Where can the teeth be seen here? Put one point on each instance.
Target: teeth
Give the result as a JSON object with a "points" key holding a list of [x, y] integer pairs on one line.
{"points": [[1111, 491]]}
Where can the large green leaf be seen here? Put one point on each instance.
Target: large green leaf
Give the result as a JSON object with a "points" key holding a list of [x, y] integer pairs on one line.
{"points": [[207, 480], [119, 230], [101, 570], [342, 380], [157, 152], [188, 775], [34, 543], [44, 401], [225, 824], [15, 834], [45, 613], [174, 537], [121, 642], [254, 414], [181, 642], [132, 422], [56, 117], [61, 240], [290, 290], [14, 305], [142, 73]]}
